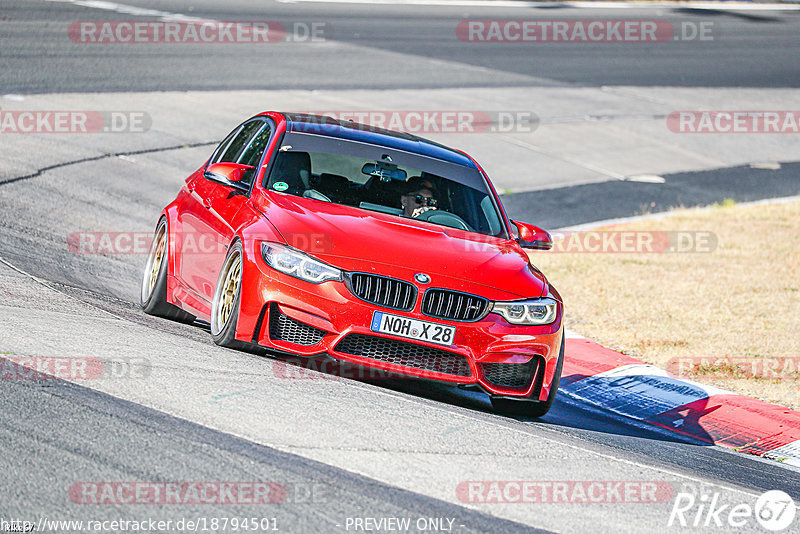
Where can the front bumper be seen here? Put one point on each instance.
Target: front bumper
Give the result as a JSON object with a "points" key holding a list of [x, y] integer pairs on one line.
{"points": [[283, 313]]}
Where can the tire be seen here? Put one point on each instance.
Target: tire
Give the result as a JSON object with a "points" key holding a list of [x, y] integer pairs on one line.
{"points": [[153, 296], [225, 306], [527, 407]]}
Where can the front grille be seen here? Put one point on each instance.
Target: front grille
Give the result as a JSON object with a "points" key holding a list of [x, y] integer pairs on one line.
{"points": [[454, 305], [387, 292], [510, 375], [284, 328], [406, 354]]}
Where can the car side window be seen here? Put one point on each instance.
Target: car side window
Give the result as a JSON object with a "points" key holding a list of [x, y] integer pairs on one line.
{"points": [[252, 154], [220, 150], [236, 147]]}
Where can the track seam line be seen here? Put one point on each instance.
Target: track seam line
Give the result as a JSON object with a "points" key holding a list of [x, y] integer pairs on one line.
{"points": [[100, 157]]}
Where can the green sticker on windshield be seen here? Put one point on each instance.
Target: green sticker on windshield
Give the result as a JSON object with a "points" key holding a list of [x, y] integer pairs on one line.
{"points": [[280, 186]]}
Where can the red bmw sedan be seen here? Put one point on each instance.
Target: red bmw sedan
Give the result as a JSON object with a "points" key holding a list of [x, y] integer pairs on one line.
{"points": [[310, 236]]}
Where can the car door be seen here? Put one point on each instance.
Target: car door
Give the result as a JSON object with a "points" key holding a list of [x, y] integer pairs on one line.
{"points": [[207, 218]]}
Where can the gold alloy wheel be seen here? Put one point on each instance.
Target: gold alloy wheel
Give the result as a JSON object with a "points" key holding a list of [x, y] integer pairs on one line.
{"points": [[229, 290], [158, 257], [154, 262]]}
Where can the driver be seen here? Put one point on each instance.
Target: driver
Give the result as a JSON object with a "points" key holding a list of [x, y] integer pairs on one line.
{"points": [[419, 197]]}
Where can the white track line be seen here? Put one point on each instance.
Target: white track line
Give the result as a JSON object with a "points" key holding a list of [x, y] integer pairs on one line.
{"points": [[132, 10]]}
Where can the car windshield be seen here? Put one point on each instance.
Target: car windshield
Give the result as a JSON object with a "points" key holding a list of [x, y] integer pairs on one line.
{"points": [[385, 180]]}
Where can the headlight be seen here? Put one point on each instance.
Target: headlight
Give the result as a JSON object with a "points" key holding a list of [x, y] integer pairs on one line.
{"points": [[295, 263], [529, 312]]}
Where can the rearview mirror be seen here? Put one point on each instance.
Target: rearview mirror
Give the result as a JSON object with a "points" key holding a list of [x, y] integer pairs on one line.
{"points": [[533, 237], [230, 174], [385, 172]]}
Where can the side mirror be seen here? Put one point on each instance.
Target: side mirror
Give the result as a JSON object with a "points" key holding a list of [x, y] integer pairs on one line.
{"points": [[229, 174], [530, 236]]}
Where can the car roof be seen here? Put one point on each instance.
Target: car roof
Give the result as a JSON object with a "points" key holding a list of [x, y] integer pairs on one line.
{"points": [[354, 131]]}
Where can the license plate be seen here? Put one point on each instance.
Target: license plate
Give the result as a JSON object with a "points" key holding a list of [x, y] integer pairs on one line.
{"points": [[412, 328]]}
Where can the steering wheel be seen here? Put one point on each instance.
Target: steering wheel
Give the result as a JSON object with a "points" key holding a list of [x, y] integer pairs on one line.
{"points": [[445, 218]]}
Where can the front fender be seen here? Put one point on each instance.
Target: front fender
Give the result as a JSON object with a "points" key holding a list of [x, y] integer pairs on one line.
{"points": [[251, 301]]}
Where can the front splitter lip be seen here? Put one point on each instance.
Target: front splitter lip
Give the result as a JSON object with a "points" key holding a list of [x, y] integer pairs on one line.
{"points": [[475, 377], [367, 373], [388, 372], [394, 371]]}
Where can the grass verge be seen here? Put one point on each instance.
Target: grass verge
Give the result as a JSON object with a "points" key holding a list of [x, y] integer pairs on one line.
{"points": [[729, 317]]}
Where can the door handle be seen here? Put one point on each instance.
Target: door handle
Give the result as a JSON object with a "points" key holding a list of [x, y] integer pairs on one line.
{"points": [[206, 204]]}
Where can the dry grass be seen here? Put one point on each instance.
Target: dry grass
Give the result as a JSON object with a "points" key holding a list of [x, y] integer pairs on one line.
{"points": [[740, 301]]}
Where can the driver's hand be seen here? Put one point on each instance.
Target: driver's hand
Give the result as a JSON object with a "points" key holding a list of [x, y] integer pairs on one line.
{"points": [[419, 211]]}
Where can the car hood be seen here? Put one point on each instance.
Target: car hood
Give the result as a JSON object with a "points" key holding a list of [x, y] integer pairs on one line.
{"points": [[360, 240]]}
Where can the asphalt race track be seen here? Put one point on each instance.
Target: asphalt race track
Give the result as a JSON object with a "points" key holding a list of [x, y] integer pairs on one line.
{"points": [[392, 46], [183, 409]]}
